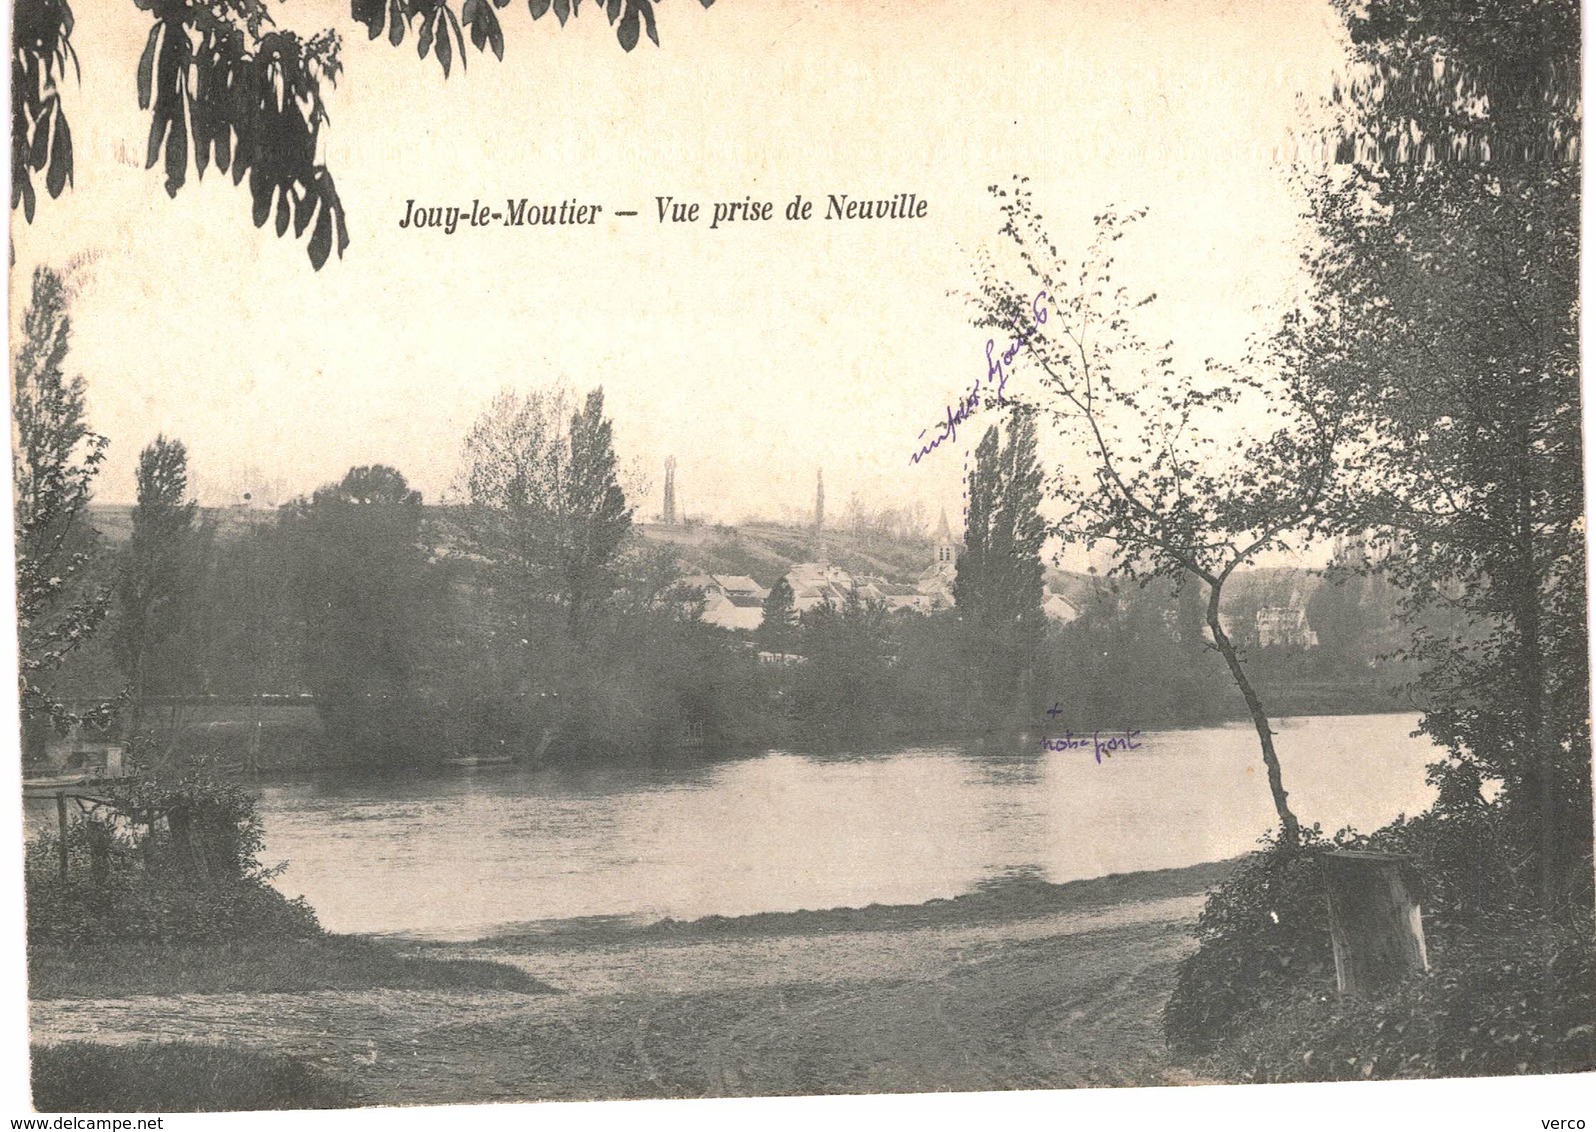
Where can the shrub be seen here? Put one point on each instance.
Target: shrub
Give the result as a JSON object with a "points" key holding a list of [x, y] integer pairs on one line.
{"points": [[1510, 989], [174, 859], [1507, 996], [1262, 934]]}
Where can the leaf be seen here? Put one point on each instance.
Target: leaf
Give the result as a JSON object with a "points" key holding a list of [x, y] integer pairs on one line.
{"points": [[282, 211], [538, 8], [41, 138], [261, 190], [396, 23], [303, 207], [562, 11], [424, 38], [157, 131], [368, 12], [320, 239], [628, 29], [176, 152], [60, 157], [445, 51], [485, 30], [647, 8], [202, 134], [147, 67]]}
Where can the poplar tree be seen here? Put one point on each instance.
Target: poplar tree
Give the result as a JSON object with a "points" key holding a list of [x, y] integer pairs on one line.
{"points": [[155, 587], [997, 586], [54, 458]]}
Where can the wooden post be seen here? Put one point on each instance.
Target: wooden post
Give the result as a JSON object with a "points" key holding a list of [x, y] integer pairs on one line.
{"points": [[61, 817], [1376, 929], [99, 837]]}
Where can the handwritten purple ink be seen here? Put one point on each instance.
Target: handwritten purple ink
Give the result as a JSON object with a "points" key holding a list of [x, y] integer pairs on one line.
{"points": [[1096, 742], [998, 367]]}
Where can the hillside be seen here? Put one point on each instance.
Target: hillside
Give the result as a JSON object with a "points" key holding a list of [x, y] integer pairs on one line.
{"points": [[114, 521], [764, 551]]}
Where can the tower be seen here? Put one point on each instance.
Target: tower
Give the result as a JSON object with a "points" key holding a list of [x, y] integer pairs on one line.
{"points": [[668, 515], [946, 549], [820, 515]]}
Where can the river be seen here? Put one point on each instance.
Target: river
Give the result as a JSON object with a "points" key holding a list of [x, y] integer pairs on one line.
{"points": [[490, 850]]}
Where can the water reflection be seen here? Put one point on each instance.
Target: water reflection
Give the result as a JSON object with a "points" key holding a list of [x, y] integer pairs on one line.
{"points": [[466, 855]]}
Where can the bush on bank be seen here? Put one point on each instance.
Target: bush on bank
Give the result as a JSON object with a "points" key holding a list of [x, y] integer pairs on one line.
{"points": [[1508, 996], [1510, 990], [173, 859]]}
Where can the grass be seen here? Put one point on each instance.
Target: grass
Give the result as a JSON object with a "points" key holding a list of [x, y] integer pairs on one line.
{"points": [[261, 967], [82, 1077]]}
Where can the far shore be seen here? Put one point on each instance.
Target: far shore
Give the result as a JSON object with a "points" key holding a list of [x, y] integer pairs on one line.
{"points": [[292, 748]]}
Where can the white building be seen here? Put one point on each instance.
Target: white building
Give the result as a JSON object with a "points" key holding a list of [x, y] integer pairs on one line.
{"points": [[894, 595], [1057, 608], [731, 601], [1285, 625], [814, 583]]}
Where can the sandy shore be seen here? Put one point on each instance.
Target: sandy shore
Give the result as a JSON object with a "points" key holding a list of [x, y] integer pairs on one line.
{"points": [[1021, 985]]}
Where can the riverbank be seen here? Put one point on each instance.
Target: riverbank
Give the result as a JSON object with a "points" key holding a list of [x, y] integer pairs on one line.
{"points": [[1019, 985], [258, 966]]}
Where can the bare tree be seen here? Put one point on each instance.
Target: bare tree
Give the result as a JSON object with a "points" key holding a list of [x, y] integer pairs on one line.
{"points": [[1182, 476]]}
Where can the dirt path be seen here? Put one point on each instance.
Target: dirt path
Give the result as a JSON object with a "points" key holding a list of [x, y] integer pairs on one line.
{"points": [[1047, 1001]]}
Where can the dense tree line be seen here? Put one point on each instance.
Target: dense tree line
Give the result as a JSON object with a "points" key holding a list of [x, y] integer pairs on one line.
{"points": [[529, 617]]}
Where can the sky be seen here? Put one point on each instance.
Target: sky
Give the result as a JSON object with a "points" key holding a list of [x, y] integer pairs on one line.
{"points": [[754, 354]]}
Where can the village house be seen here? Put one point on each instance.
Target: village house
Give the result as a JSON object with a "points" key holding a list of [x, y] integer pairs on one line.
{"points": [[1285, 625], [731, 601], [1057, 608], [894, 595], [814, 583]]}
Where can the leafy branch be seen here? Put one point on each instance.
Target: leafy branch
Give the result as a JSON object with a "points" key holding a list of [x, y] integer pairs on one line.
{"points": [[224, 85], [1171, 479]]}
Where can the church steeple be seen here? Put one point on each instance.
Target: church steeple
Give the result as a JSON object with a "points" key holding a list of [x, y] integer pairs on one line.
{"points": [[946, 548]]}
